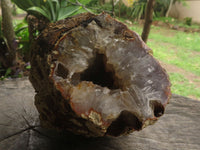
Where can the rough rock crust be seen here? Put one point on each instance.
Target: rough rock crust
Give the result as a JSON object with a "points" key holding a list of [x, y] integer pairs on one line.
{"points": [[93, 76]]}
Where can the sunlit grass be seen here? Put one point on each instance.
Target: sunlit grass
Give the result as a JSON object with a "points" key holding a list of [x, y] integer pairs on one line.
{"points": [[181, 86], [172, 54], [181, 39], [190, 41]]}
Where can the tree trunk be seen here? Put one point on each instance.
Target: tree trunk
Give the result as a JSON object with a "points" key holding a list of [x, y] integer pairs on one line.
{"points": [[119, 9], [113, 8], [95, 77], [148, 20], [8, 32], [170, 6]]}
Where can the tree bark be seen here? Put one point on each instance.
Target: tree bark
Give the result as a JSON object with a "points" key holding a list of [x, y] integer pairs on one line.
{"points": [[148, 20], [119, 9], [8, 32], [95, 77], [113, 8], [170, 6]]}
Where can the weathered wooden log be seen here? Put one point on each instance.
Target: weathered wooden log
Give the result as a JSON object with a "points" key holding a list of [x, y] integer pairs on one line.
{"points": [[93, 76], [178, 129]]}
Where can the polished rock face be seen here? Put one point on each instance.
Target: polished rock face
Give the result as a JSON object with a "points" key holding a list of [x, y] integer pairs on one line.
{"points": [[109, 76]]}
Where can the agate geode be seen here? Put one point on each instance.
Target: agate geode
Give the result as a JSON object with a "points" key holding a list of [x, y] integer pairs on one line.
{"points": [[93, 76]]}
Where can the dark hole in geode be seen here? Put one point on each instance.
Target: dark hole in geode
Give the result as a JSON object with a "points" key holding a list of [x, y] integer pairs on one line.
{"points": [[62, 71], [98, 74], [158, 108], [75, 79], [125, 122]]}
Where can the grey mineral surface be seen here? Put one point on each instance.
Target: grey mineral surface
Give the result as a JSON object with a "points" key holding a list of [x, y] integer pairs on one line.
{"points": [[108, 76]]}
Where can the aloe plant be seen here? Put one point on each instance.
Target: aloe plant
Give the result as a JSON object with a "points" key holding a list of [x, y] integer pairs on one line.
{"points": [[53, 10]]}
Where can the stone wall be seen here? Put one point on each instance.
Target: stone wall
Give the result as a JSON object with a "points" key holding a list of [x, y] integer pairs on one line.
{"points": [[191, 10]]}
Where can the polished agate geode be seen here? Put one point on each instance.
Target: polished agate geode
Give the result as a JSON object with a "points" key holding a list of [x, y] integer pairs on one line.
{"points": [[108, 77]]}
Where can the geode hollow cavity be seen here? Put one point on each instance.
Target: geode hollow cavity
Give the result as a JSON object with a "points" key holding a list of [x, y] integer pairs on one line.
{"points": [[93, 76]]}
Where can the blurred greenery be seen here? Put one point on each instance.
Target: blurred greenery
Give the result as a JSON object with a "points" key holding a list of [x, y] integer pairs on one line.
{"points": [[188, 21], [23, 45], [177, 22], [53, 10], [22, 36], [138, 10]]}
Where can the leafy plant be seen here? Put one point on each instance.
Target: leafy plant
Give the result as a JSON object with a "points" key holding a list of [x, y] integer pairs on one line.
{"points": [[139, 8], [93, 3], [161, 7], [22, 36], [53, 10], [6, 71], [188, 21], [95, 6], [121, 10]]}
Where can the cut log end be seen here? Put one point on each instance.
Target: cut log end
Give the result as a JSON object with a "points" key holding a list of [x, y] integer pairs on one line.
{"points": [[95, 77]]}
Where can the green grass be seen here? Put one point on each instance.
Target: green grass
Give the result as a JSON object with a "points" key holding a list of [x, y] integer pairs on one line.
{"points": [[190, 41], [180, 49], [178, 38], [172, 54], [181, 86]]}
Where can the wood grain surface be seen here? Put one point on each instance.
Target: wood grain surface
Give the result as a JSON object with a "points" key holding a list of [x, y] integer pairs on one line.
{"points": [[178, 129]]}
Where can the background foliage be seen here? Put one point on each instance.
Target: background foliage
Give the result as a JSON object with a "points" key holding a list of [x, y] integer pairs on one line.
{"points": [[53, 10]]}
